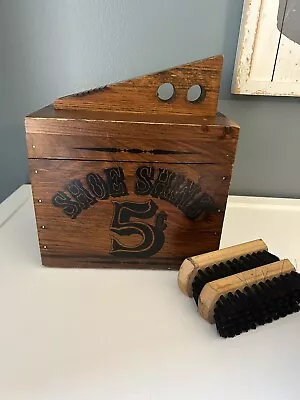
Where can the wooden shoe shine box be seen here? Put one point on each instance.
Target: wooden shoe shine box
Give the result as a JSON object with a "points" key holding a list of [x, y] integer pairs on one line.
{"points": [[124, 177]]}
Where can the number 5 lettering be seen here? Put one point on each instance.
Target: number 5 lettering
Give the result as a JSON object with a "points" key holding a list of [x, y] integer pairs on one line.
{"points": [[152, 236]]}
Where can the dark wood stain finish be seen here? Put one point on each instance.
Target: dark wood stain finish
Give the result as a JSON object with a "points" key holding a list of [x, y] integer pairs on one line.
{"points": [[140, 94], [121, 181]]}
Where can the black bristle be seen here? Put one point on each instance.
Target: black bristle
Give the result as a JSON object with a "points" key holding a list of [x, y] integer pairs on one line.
{"points": [[232, 267], [223, 270], [267, 257], [258, 304], [248, 261], [258, 259], [218, 271]]}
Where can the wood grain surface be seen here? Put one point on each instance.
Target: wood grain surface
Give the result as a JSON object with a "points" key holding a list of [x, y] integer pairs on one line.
{"points": [[49, 112], [192, 265], [123, 179], [131, 143], [140, 94], [87, 239]]}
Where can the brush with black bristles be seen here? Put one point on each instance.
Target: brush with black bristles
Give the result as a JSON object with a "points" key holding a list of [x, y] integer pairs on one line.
{"points": [[248, 299], [241, 287], [196, 272]]}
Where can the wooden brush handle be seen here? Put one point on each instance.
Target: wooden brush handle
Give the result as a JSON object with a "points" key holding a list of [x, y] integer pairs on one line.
{"points": [[212, 291], [191, 265]]}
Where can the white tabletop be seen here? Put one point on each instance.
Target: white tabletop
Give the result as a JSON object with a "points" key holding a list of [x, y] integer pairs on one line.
{"points": [[124, 334]]}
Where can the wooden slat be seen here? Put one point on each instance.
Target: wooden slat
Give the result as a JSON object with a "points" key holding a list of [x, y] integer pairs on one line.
{"points": [[69, 241], [124, 140], [177, 145], [192, 265], [49, 112], [140, 94]]}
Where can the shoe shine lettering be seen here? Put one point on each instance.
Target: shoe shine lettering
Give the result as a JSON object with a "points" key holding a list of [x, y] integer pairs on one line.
{"points": [[162, 183], [128, 216]]}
